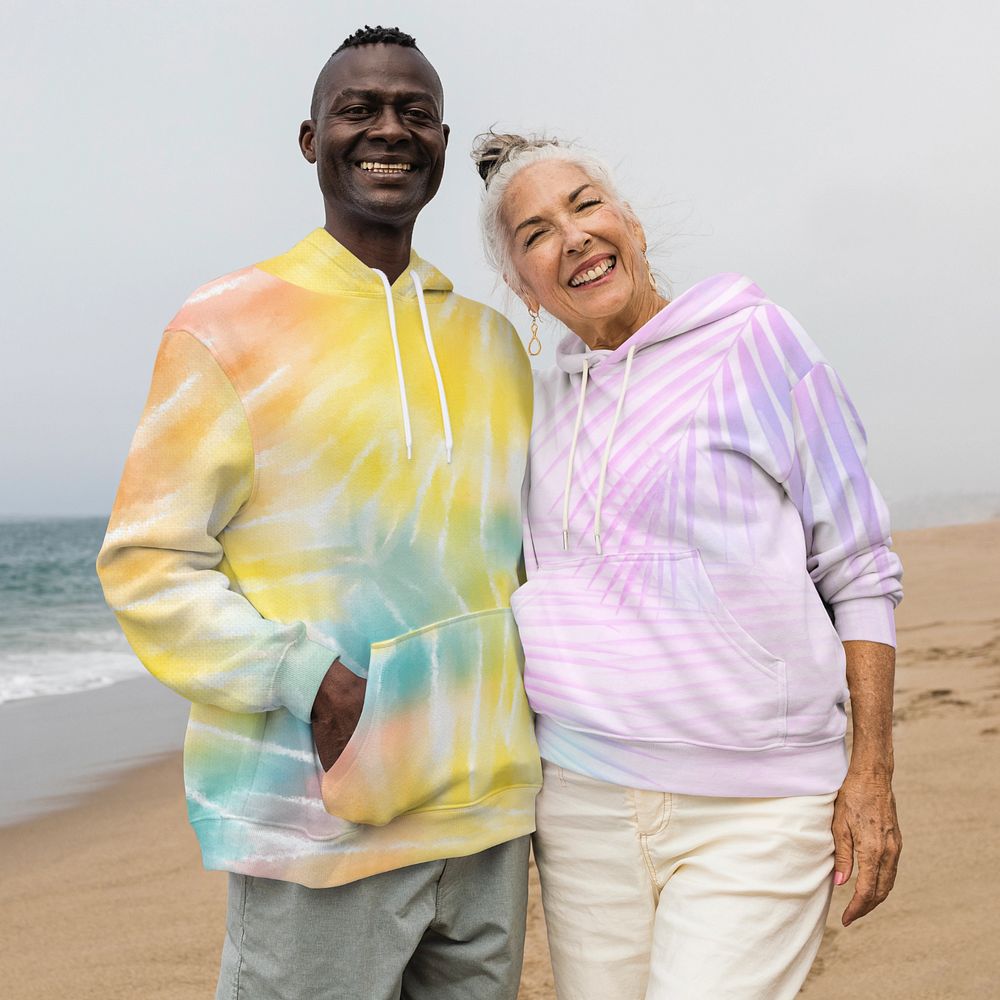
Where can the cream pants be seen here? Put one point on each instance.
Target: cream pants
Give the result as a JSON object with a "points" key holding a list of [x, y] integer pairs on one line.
{"points": [[654, 896]]}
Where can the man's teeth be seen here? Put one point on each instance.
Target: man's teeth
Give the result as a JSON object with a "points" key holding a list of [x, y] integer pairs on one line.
{"points": [[385, 168], [594, 273]]}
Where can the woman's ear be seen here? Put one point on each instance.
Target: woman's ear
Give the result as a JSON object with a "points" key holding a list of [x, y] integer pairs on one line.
{"points": [[636, 226], [522, 293], [532, 304]]}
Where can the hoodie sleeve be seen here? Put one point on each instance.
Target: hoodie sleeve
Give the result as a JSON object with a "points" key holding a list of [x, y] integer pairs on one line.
{"points": [[189, 471], [844, 517]]}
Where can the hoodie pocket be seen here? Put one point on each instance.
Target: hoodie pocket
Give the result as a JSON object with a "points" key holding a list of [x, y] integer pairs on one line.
{"points": [[445, 723], [639, 647]]}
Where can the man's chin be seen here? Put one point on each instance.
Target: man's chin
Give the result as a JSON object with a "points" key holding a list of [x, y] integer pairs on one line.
{"points": [[389, 210]]}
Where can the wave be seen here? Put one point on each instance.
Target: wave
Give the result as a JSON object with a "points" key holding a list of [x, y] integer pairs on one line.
{"points": [[36, 675]]}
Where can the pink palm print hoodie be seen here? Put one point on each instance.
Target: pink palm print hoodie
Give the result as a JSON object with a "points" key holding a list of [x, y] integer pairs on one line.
{"points": [[701, 537]]}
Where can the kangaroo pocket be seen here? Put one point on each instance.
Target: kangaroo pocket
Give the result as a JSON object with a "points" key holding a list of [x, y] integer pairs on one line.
{"points": [[445, 723], [640, 647]]}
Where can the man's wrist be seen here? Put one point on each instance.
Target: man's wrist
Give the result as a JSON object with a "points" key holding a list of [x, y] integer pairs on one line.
{"points": [[301, 674]]}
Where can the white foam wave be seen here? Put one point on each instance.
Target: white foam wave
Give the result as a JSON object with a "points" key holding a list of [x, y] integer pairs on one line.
{"points": [[35, 675]]}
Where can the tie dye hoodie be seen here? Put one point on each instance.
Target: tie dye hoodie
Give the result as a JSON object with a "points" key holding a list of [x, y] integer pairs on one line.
{"points": [[702, 535], [294, 494]]}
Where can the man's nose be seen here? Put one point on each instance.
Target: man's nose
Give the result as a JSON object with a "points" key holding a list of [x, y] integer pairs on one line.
{"points": [[388, 126]]}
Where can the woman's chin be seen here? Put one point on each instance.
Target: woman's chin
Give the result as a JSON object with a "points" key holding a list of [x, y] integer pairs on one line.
{"points": [[598, 304]]}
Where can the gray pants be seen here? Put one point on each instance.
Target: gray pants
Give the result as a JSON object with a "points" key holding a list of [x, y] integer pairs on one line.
{"points": [[442, 930]]}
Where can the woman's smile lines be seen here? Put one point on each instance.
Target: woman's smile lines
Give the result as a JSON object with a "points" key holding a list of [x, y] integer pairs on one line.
{"points": [[592, 273]]}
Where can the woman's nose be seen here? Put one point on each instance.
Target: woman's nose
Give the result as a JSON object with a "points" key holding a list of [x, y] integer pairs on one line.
{"points": [[576, 241]]}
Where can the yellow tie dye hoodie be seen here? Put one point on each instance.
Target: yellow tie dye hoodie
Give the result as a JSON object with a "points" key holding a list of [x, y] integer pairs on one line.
{"points": [[329, 467]]}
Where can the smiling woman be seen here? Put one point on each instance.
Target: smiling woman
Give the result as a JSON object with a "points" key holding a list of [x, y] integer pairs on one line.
{"points": [[538, 209], [580, 253], [698, 511]]}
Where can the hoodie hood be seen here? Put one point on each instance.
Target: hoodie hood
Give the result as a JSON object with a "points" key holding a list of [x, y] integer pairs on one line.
{"points": [[706, 302], [320, 264]]}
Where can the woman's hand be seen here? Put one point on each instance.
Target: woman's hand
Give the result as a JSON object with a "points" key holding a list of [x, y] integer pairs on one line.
{"points": [[865, 824], [864, 815]]}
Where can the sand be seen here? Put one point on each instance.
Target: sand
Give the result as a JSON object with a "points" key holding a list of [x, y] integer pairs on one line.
{"points": [[57, 749], [106, 899]]}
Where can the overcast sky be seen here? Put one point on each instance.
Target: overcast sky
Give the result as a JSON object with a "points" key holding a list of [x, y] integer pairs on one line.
{"points": [[843, 155]]}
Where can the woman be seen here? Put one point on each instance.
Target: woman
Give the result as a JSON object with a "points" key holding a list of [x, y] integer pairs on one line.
{"points": [[709, 580]]}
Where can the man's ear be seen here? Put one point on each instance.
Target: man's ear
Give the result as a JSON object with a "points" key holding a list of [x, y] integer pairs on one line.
{"points": [[446, 130], [307, 139]]}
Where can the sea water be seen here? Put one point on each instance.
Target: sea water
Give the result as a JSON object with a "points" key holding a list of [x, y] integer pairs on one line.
{"points": [[57, 635]]}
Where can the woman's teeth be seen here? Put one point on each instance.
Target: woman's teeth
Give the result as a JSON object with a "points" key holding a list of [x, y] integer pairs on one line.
{"points": [[593, 274], [385, 168]]}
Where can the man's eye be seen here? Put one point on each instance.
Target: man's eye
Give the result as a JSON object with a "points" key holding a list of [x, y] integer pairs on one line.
{"points": [[420, 114], [356, 110]]}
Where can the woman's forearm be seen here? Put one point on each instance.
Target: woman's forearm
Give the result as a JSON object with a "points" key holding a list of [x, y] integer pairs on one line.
{"points": [[871, 668]]}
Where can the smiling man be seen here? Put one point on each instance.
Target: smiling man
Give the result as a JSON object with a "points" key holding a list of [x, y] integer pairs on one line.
{"points": [[315, 541]]}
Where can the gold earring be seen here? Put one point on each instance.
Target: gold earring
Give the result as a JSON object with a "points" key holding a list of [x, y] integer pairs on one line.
{"points": [[649, 272], [534, 345]]}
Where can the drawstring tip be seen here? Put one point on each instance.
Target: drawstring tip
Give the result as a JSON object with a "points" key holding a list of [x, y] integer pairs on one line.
{"points": [[597, 542], [565, 541], [448, 453], [409, 453]]}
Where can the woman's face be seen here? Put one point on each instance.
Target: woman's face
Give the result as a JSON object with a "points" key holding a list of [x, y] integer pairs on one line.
{"points": [[576, 253]]}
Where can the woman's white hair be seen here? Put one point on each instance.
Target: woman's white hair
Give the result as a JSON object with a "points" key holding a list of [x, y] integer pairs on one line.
{"points": [[499, 158]]}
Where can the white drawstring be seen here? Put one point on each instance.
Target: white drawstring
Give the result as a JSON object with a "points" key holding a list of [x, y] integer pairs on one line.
{"points": [[442, 398], [572, 455], [607, 450], [407, 433]]}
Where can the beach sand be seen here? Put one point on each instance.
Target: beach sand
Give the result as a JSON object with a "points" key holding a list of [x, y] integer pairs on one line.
{"points": [[57, 749], [106, 898]]}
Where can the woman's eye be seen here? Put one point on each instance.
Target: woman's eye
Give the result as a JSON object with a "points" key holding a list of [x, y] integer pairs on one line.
{"points": [[533, 237], [588, 204]]}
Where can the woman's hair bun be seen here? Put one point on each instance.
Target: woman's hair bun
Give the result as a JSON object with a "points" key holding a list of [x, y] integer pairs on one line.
{"points": [[491, 150]]}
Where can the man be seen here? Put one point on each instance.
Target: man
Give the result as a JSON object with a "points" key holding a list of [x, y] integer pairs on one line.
{"points": [[315, 541]]}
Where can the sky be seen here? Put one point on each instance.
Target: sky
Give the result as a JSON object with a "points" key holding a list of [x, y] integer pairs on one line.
{"points": [[845, 156]]}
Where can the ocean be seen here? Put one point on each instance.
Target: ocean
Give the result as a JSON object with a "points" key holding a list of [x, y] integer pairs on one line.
{"points": [[57, 635]]}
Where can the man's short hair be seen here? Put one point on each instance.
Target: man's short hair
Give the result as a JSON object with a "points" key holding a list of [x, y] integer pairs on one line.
{"points": [[363, 36], [378, 36]]}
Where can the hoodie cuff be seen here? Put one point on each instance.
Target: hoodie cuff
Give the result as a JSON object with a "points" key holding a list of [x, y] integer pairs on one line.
{"points": [[299, 675], [867, 618]]}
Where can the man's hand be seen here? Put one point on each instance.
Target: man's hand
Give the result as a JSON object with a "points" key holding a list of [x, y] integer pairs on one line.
{"points": [[336, 711]]}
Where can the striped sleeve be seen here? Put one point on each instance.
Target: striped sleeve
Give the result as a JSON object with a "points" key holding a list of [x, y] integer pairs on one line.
{"points": [[844, 517], [188, 472]]}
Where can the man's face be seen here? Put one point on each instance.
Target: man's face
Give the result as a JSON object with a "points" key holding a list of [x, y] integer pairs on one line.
{"points": [[378, 141]]}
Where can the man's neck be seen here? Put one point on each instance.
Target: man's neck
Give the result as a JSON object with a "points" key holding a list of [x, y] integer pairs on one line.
{"points": [[384, 247]]}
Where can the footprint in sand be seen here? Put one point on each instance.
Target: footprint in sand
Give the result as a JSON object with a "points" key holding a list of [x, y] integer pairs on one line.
{"points": [[932, 702]]}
